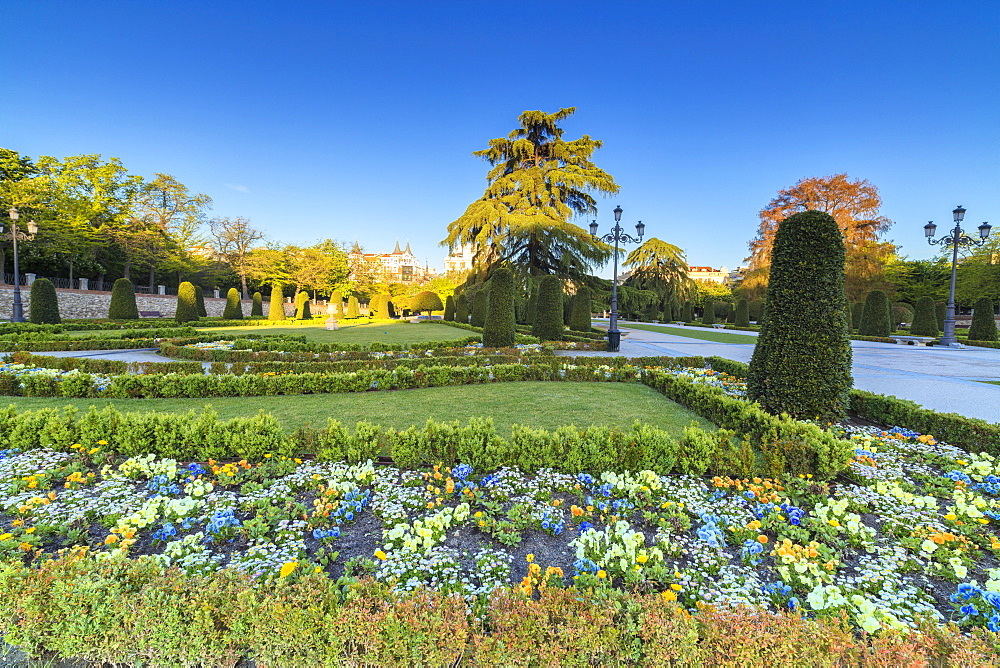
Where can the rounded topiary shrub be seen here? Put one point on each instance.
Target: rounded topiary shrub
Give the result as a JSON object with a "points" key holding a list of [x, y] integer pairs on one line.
{"points": [[449, 308], [877, 317], [801, 364], [337, 299], [580, 322], [257, 307], [199, 300], [353, 310], [924, 320], [234, 309], [462, 309], [122, 306], [708, 314], [498, 331], [984, 325], [187, 303], [44, 304], [902, 313], [548, 325], [276, 309], [426, 302], [742, 316]]}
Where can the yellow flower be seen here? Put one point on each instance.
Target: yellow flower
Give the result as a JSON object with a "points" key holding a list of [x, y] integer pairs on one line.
{"points": [[983, 520], [102, 442], [93, 451], [6, 536], [676, 587], [602, 574], [669, 595], [31, 530], [317, 569], [642, 558], [380, 555], [950, 517], [530, 558], [287, 569], [834, 523], [267, 456]]}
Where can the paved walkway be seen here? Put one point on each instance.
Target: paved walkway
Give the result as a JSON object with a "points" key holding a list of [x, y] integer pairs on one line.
{"points": [[942, 379]]}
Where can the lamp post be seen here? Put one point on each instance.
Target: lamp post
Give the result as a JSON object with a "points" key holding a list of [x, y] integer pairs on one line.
{"points": [[955, 239], [617, 236], [16, 235]]}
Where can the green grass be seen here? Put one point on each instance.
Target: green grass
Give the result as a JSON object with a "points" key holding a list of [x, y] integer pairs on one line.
{"points": [[385, 332], [990, 382], [704, 335], [538, 404]]}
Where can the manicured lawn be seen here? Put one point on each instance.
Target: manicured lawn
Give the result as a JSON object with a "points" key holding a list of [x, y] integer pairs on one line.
{"points": [[695, 333], [384, 332], [538, 404]]}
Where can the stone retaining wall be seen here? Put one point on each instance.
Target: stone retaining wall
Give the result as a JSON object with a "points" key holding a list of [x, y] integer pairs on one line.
{"points": [[76, 304]]}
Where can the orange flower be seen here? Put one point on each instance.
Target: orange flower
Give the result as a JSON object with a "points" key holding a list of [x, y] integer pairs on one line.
{"points": [[762, 539]]}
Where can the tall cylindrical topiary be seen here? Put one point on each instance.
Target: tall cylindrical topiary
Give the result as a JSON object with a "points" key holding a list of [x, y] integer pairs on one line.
{"points": [[924, 320], [756, 310], [984, 325], [44, 304], [742, 316], [462, 309], [449, 308], [801, 364], [580, 321], [199, 300], [123, 305], [187, 304], [480, 304], [276, 309], [234, 309], [337, 299], [548, 315], [857, 314], [941, 311], [353, 310], [300, 300], [567, 304], [687, 313], [877, 317], [257, 307], [708, 315], [498, 331]]}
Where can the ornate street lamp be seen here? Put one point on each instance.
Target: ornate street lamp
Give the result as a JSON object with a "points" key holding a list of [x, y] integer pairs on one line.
{"points": [[16, 235], [955, 239], [617, 236]]}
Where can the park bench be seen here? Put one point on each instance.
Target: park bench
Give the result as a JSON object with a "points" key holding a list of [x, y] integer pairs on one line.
{"points": [[679, 322], [150, 314], [913, 340], [718, 325]]}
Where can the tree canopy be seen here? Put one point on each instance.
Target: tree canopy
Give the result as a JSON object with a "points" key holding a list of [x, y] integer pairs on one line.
{"points": [[660, 267]]}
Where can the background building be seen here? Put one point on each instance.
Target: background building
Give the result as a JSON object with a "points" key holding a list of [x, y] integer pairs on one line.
{"points": [[399, 266]]}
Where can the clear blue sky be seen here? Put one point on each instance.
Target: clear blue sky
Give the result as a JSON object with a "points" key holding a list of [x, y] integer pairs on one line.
{"points": [[344, 120]]}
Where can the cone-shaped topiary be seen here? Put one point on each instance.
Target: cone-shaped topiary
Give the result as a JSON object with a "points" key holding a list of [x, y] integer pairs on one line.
{"points": [[924, 320], [122, 305], [187, 306], [379, 307], [708, 314], [44, 304], [548, 316], [390, 307], [426, 302], [581, 310], [199, 300], [234, 308], [742, 316], [877, 317], [449, 308], [462, 309], [337, 299], [257, 307], [302, 309], [857, 313], [984, 326], [801, 364], [687, 314], [498, 331], [353, 310], [276, 309], [480, 304]]}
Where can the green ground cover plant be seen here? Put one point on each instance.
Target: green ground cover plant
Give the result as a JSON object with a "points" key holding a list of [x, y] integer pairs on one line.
{"points": [[348, 332]]}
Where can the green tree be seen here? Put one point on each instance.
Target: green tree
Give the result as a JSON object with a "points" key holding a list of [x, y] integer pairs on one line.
{"points": [[548, 325], [661, 267], [498, 331], [44, 303], [199, 299], [924, 320], [233, 309], [449, 308], [234, 239], [426, 301], [877, 317], [801, 364], [462, 309], [580, 320], [984, 325], [353, 311], [276, 309], [537, 183], [123, 306], [187, 303], [257, 308], [742, 316]]}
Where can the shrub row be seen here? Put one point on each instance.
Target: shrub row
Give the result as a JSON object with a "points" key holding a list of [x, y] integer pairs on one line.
{"points": [[145, 333], [286, 344], [105, 366], [803, 446], [964, 432], [225, 355], [115, 610]]}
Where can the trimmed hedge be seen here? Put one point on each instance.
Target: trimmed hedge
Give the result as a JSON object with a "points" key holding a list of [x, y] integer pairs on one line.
{"points": [[548, 325], [234, 308], [276, 309], [449, 308], [122, 306], [480, 305], [857, 313], [708, 313], [876, 320], [742, 316], [801, 364], [924, 319], [105, 366], [984, 326], [199, 300], [257, 307], [498, 330], [353, 310], [687, 313], [580, 319], [337, 299], [44, 304], [426, 301], [302, 311], [462, 309], [187, 303]]}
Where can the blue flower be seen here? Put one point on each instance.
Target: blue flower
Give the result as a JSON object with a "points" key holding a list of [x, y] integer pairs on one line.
{"points": [[793, 603], [968, 609]]}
